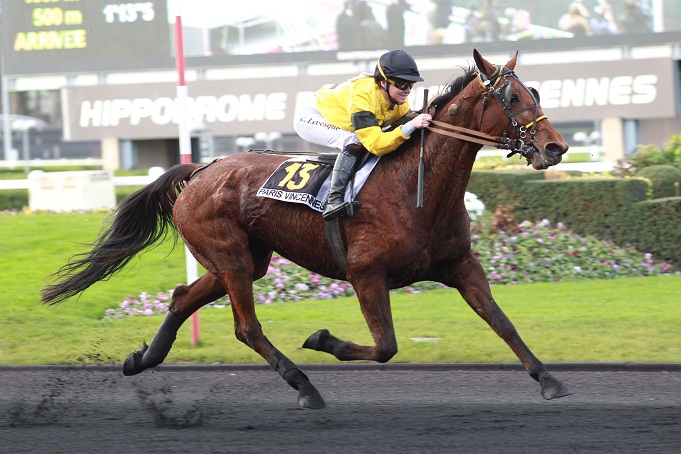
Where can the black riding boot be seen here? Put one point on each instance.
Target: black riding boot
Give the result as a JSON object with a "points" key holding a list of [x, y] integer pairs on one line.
{"points": [[343, 170]]}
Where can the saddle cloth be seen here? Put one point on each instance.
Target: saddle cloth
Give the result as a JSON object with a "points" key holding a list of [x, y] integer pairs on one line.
{"points": [[306, 180]]}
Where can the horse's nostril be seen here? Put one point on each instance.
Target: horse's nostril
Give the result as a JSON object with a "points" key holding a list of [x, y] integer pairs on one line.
{"points": [[554, 149]]}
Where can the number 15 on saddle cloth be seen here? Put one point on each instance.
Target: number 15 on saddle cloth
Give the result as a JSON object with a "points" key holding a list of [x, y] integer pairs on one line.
{"points": [[306, 180]]}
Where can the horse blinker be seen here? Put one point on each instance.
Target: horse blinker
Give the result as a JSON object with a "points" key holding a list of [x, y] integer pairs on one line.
{"points": [[504, 94]]}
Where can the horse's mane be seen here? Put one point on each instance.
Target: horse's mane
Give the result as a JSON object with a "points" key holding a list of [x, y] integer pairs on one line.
{"points": [[454, 87]]}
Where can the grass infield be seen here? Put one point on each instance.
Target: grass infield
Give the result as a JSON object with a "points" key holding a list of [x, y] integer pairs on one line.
{"points": [[621, 320]]}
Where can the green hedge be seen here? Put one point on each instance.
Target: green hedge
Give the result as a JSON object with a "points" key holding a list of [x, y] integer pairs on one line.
{"points": [[591, 206], [607, 208], [664, 179], [13, 199], [658, 229], [496, 187], [124, 191]]}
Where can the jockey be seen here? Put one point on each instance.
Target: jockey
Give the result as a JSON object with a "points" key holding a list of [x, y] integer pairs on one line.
{"points": [[349, 116]]}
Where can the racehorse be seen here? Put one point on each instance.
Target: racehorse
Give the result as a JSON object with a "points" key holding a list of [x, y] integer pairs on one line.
{"points": [[390, 242]]}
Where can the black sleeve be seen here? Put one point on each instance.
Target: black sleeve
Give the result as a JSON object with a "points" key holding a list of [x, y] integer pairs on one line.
{"points": [[363, 119]]}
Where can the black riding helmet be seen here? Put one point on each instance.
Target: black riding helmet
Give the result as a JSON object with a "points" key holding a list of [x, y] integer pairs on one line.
{"points": [[397, 64]]}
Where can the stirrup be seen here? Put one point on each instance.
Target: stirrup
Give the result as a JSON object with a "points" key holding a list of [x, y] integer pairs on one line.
{"points": [[345, 209]]}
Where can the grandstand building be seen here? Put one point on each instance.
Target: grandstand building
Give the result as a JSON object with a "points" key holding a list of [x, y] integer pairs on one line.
{"points": [[101, 77]]}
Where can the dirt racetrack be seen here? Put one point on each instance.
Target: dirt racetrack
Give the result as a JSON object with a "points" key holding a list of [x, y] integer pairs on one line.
{"points": [[370, 409]]}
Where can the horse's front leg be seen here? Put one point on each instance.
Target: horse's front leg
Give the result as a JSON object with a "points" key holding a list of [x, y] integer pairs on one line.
{"points": [[248, 330], [186, 300], [469, 278], [374, 300]]}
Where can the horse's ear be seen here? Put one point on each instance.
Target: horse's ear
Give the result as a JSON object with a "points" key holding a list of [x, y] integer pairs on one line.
{"points": [[511, 63], [483, 65]]}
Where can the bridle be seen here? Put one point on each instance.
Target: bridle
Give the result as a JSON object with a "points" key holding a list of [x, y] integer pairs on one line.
{"points": [[500, 87]]}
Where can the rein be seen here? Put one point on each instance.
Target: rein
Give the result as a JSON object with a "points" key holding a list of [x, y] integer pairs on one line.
{"points": [[470, 135]]}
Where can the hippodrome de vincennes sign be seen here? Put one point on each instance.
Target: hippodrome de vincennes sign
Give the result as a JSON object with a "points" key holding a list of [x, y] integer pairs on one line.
{"points": [[641, 89]]}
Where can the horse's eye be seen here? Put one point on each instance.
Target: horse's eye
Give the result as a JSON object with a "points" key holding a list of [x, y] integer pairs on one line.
{"points": [[514, 98]]}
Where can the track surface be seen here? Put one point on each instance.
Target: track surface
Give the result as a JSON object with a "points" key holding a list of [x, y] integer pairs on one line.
{"points": [[369, 410]]}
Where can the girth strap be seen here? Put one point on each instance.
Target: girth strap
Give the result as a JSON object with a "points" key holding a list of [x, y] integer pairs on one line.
{"points": [[333, 236]]}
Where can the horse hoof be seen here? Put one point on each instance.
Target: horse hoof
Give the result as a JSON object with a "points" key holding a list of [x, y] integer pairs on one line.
{"points": [[311, 399], [318, 339], [133, 363], [552, 388]]}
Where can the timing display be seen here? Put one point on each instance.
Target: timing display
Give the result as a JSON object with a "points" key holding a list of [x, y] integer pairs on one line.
{"points": [[129, 12], [46, 36]]}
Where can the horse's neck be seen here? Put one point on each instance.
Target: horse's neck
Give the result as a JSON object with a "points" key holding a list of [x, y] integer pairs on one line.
{"points": [[452, 163]]}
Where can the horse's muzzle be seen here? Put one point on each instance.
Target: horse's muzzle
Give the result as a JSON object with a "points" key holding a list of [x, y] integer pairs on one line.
{"points": [[551, 155]]}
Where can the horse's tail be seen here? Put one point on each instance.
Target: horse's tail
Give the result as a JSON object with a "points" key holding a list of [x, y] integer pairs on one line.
{"points": [[139, 221]]}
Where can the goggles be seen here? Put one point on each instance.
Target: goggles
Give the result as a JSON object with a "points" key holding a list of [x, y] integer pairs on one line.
{"points": [[401, 84]]}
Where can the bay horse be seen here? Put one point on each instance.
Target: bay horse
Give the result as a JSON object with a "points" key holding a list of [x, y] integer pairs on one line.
{"points": [[391, 243]]}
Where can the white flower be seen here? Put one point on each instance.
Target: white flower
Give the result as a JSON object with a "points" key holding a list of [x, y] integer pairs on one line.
{"points": [[474, 206]]}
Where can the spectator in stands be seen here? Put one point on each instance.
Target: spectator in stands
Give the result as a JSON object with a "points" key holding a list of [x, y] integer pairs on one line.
{"points": [[346, 29], [575, 20], [372, 34], [440, 19], [633, 19], [489, 27], [472, 21], [519, 24], [395, 18], [602, 21], [441, 13]]}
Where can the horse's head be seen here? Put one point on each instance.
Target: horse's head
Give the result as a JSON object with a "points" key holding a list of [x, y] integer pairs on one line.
{"points": [[531, 134], [510, 110]]}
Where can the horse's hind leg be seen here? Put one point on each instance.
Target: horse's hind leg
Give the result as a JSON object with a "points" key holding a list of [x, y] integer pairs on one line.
{"points": [[238, 263], [469, 278], [186, 300], [248, 330]]}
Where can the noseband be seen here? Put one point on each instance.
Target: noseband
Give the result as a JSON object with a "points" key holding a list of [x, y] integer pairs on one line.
{"points": [[499, 85]]}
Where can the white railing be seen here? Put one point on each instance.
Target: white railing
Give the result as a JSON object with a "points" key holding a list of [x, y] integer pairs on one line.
{"points": [[139, 180], [118, 181], [31, 163]]}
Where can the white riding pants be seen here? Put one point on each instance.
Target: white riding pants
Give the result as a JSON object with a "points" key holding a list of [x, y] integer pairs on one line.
{"points": [[313, 127]]}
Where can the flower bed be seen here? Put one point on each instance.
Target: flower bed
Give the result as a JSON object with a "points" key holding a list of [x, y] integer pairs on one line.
{"points": [[532, 253]]}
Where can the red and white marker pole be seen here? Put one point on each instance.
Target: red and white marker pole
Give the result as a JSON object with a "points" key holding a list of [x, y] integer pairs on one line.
{"points": [[182, 95], [185, 156]]}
